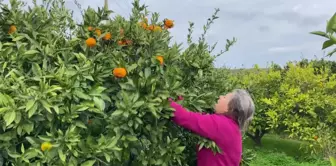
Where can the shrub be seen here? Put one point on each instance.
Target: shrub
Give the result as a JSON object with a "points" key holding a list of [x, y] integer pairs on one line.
{"points": [[96, 93]]}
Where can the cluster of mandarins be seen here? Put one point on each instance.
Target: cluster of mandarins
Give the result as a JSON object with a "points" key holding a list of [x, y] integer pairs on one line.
{"points": [[122, 72], [167, 25], [91, 42]]}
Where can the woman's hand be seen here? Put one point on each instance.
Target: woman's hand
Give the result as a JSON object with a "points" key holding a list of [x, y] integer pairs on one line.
{"points": [[179, 98]]}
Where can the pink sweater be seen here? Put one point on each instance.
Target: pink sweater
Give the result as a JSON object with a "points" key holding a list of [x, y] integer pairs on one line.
{"points": [[219, 128]]}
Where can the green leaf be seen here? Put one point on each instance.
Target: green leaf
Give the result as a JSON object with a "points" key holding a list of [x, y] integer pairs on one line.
{"points": [[147, 72], [195, 65], [138, 104], [153, 111], [88, 163], [107, 157], [31, 52], [320, 33], [331, 52], [132, 67], [159, 162], [28, 127], [9, 117], [82, 108], [56, 109], [32, 141], [36, 69], [1, 160], [327, 44], [99, 103], [331, 23], [201, 146], [127, 86], [18, 38], [117, 112], [32, 111], [82, 95], [61, 155], [13, 155], [332, 38], [22, 148], [46, 105], [89, 77], [7, 51], [131, 138], [333, 161], [80, 124], [113, 143], [333, 112], [180, 149], [31, 154], [4, 109], [30, 104], [7, 136], [97, 91]]}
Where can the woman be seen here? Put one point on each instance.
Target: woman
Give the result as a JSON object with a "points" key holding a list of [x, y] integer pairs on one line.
{"points": [[233, 113]]}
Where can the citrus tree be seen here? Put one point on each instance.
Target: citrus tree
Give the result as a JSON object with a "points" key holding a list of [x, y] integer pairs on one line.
{"points": [[261, 84], [95, 93], [304, 106]]}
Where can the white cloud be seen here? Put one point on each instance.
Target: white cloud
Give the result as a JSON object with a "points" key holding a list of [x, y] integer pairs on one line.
{"points": [[283, 49]]}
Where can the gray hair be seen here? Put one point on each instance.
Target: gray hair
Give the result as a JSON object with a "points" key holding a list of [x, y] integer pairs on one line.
{"points": [[241, 107]]}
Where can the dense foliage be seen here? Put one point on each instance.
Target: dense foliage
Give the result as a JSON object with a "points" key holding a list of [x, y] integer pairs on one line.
{"points": [[96, 92], [298, 100]]}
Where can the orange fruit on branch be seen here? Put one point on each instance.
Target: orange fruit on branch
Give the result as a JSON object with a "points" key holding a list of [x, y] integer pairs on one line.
{"points": [[160, 59], [121, 43], [46, 146], [143, 25], [168, 23], [120, 72], [157, 28], [315, 137], [98, 32], [151, 27], [12, 29], [107, 36], [91, 42], [128, 42]]}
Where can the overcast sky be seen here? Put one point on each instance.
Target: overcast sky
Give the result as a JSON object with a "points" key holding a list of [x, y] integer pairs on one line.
{"points": [[267, 30]]}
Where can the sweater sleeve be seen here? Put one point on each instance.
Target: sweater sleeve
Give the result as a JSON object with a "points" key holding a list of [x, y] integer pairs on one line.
{"points": [[202, 124]]}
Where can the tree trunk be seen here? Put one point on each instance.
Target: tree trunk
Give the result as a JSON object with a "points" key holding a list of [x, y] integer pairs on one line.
{"points": [[257, 136], [257, 141]]}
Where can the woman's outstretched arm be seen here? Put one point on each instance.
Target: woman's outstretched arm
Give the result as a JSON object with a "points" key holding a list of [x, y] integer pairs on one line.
{"points": [[203, 125]]}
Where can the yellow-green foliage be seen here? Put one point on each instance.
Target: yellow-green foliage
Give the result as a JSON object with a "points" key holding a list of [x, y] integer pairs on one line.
{"points": [[297, 100]]}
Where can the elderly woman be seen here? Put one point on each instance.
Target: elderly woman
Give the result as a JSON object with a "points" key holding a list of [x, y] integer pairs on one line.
{"points": [[233, 113]]}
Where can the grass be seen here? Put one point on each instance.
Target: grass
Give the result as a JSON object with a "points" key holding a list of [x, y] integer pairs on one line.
{"points": [[276, 151]]}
